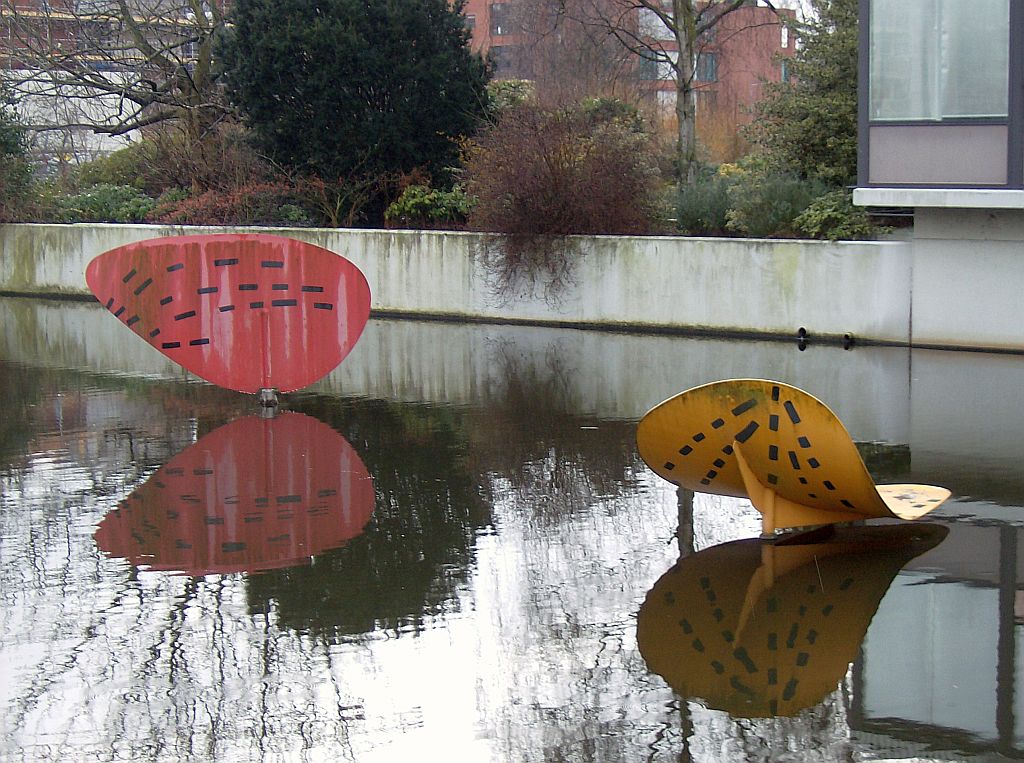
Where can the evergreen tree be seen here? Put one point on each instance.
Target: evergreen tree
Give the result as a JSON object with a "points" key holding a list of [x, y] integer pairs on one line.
{"points": [[354, 89], [15, 169], [808, 126]]}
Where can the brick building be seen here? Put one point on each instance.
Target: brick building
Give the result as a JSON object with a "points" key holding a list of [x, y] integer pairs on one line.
{"points": [[738, 56]]}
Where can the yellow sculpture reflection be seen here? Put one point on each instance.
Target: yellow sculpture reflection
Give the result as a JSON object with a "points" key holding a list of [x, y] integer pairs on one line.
{"points": [[777, 445], [761, 629]]}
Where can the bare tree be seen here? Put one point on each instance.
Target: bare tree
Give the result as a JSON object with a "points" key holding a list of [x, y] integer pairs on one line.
{"points": [[669, 34], [112, 67], [566, 58]]}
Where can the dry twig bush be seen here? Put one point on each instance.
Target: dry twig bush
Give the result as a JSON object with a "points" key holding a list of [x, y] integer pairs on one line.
{"points": [[538, 177]]}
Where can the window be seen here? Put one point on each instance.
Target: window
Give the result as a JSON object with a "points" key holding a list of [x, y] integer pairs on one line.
{"points": [[784, 41], [706, 69], [505, 60], [785, 71], [501, 19], [939, 59], [659, 68], [470, 22], [652, 27]]}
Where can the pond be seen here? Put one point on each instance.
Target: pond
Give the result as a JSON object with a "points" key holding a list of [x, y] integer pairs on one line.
{"points": [[465, 577]]}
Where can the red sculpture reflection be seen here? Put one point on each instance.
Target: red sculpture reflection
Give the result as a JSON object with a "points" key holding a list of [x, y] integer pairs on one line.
{"points": [[255, 494], [244, 311]]}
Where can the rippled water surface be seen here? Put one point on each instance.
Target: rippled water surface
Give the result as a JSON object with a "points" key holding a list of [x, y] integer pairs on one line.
{"points": [[450, 549]]}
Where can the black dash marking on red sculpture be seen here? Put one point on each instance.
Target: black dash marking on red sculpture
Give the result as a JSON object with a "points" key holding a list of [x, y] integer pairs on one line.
{"points": [[256, 305], [226, 308], [129, 276], [280, 287], [167, 300], [248, 286], [120, 311], [171, 345], [207, 290], [183, 316], [142, 286], [175, 266], [272, 264], [198, 342], [226, 261], [110, 303], [154, 332], [283, 302], [314, 289], [323, 305], [132, 321]]}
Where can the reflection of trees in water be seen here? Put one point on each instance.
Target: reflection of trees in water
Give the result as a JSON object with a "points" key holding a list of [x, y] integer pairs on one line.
{"points": [[555, 461], [417, 548]]}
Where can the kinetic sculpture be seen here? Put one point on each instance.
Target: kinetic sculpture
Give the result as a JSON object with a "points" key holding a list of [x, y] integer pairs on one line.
{"points": [[776, 445], [250, 312], [759, 629]]}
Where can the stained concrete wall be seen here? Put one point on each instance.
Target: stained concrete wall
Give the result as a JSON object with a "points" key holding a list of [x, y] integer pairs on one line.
{"points": [[968, 278], [745, 286]]}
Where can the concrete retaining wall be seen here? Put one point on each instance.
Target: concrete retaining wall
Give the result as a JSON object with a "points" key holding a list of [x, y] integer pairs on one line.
{"points": [[738, 286]]}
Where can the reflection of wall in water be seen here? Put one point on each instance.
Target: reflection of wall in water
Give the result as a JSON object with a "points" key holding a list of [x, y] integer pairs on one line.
{"points": [[954, 409], [594, 373]]}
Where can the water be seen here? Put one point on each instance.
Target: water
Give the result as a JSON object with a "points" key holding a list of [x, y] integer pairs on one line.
{"points": [[483, 604]]}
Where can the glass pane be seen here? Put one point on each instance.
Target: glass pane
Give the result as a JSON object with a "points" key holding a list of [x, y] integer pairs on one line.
{"points": [[975, 60], [932, 59], [904, 59]]}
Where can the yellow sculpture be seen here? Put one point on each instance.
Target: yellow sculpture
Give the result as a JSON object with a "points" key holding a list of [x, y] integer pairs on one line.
{"points": [[776, 445], [759, 629]]}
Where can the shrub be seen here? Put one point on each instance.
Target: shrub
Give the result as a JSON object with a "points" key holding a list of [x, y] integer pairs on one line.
{"points": [[539, 176], [124, 167], [702, 207], [768, 205], [257, 204], [103, 203], [423, 207], [506, 94], [15, 169], [833, 216]]}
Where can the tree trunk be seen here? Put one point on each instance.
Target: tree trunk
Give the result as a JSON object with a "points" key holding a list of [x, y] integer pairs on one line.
{"points": [[685, 31]]}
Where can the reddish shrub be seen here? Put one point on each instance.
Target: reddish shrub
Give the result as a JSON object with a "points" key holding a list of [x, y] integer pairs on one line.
{"points": [[257, 204], [539, 176]]}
